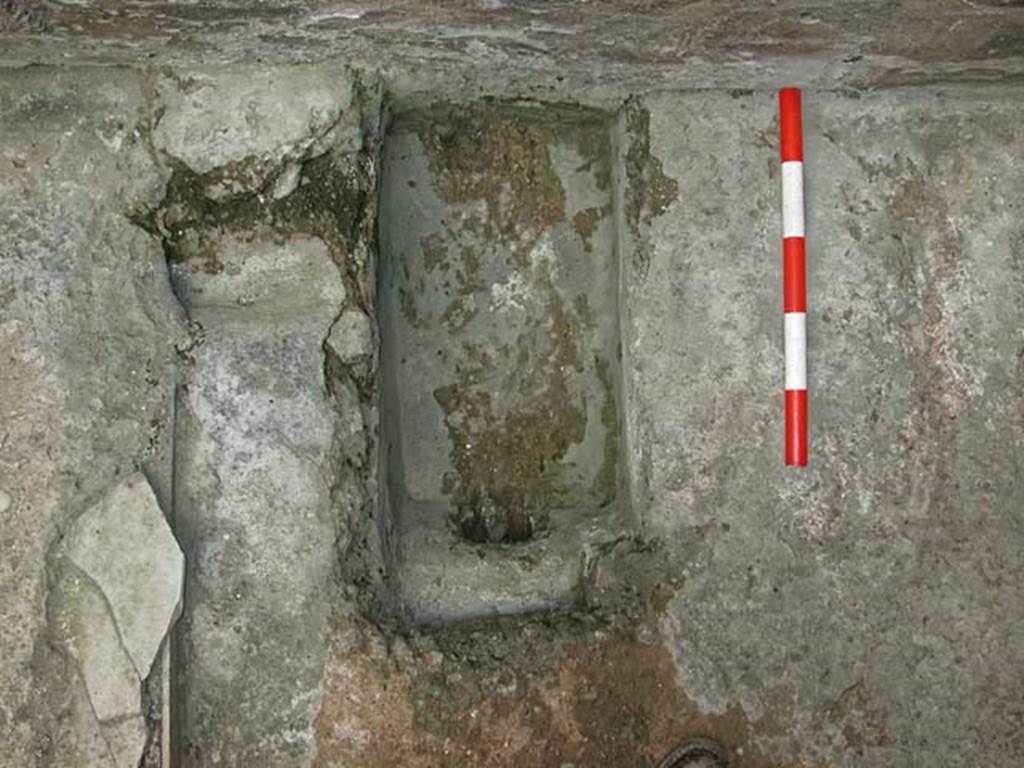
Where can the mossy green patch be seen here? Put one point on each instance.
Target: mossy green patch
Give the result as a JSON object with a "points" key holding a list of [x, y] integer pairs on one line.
{"points": [[649, 191], [607, 479], [585, 223], [334, 200], [507, 459], [499, 156]]}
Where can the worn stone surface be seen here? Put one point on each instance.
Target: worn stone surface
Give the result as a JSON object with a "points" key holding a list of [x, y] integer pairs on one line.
{"points": [[853, 613], [546, 48], [867, 593], [252, 122], [87, 332], [264, 423], [88, 632], [254, 486], [124, 546], [351, 337], [118, 585]]}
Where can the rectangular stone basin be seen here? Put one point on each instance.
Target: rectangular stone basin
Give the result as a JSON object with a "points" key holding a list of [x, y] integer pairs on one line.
{"points": [[502, 451]]}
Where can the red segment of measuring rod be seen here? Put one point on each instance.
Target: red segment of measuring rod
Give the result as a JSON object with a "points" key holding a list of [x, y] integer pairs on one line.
{"points": [[794, 278], [791, 131], [796, 427]]}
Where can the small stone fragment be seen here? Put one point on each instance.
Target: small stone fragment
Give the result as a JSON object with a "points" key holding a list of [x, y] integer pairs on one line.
{"points": [[351, 338], [126, 739], [287, 181], [124, 544], [86, 632]]}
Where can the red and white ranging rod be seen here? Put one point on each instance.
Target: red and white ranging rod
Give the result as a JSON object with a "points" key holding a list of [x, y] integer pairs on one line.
{"points": [[794, 290]]}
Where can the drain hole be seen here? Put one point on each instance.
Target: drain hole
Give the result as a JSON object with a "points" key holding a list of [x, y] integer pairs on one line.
{"points": [[507, 518]]}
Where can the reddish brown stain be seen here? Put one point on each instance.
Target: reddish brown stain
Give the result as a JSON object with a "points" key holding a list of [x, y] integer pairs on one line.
{"points": [[607, 704], [862, 724]]}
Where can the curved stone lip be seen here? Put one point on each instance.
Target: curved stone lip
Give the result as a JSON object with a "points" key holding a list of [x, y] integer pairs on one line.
{"points": [[444, 578]]}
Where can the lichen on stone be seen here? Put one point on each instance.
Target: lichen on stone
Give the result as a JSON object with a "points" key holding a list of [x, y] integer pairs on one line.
{"points": [[649, 191]]}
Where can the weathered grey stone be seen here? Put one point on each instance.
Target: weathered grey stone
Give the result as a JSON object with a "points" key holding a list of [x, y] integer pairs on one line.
{"points": [[88, 326], [351, 337], [124, 545], [556, 48], [125, 740], [216, 117], [869, 589], [85, 630], [254, 478], [287, 181], [261, 279], [84, 742], [119, 586], [88, 632], [267, 448]]}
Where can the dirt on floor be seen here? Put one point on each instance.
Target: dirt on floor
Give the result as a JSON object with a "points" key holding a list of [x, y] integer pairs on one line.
{"points": [[567, 691]]}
